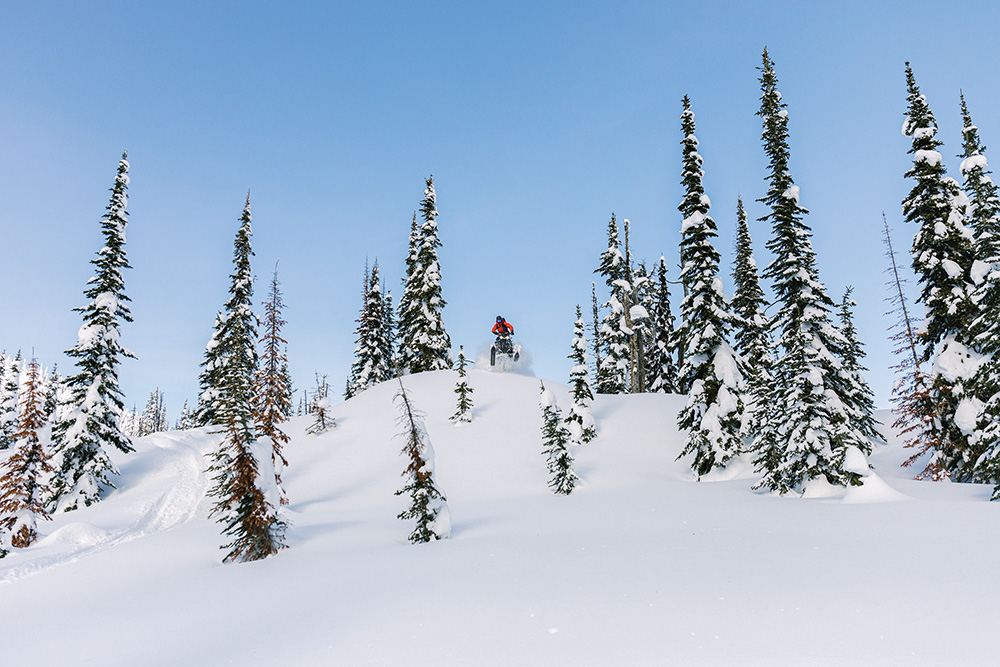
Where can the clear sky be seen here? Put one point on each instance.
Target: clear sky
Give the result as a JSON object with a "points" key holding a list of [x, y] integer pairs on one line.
{"points": [[537, 120]]}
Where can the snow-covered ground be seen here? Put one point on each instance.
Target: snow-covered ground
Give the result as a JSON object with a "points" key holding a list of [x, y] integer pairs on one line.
{"points": [[639, 566]]}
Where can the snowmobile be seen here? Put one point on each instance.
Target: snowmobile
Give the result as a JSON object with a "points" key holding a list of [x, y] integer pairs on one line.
{"points": [[504, 345]]}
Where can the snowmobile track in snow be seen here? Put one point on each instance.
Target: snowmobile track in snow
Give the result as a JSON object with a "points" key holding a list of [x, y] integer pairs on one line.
{"points": [[180, 483]]}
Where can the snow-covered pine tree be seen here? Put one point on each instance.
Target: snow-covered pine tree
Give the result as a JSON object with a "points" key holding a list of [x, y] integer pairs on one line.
{"points": [[661, 363], [53, 384], [751, 339], [404, 356], [598, 346], [711, 371], [463, 410], [424, 343], [615, 336], [154, 416], [579, 421], [128, 421], [23, 492], [805, 432], [10, 373], [860, 399], [983, 215], [352, 377], [271, 400], [943, 254], [184, 421], [555, 441], [320, 407], [246, 496], [389, 320], [210, 378], [428, 505], [286, 377], [89, 417], [370, 366]]}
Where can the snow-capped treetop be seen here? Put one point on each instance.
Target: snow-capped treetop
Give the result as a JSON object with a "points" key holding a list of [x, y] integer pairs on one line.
{"points": [[942, 249], [612, 265]]}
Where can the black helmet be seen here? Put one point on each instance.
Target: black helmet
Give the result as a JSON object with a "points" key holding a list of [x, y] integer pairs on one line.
{"points": [[499, 318]]}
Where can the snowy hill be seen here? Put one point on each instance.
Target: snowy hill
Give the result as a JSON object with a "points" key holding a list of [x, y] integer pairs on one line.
{"points": [[639, 566]]}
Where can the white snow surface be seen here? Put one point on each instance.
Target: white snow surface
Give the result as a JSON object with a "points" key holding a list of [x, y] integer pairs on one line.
{"points": [[640, 565]]}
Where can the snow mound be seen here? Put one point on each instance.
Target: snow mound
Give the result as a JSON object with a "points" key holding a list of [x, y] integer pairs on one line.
{"points": [[873, 490]]}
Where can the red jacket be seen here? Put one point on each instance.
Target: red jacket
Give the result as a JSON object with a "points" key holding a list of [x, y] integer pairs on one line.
{"points": [[503, 327]]}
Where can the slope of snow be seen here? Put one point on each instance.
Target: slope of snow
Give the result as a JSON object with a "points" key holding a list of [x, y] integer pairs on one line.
{"points": [[639, 566]]}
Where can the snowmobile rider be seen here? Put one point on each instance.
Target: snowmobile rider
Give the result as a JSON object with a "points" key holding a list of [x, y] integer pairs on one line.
{"points": [[503, 327]]}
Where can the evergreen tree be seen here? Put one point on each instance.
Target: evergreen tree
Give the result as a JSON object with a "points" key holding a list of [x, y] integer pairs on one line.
{"points": [[751, 339], [428, 505], [614, 332], [210, 379], [805, 430], [371, 365], [580, 422], [53, 384], [711, 370], [407, 303], [89, 418], [555, 440], [942, 258], [246, 496], [286, 377], [661, 363], [982, 464], [154, 416], [389, 320], [23, 492], [424, 343], [463, 411], [598, 341], [859, 400], [271, 400], [184, 421], [10, 373]]}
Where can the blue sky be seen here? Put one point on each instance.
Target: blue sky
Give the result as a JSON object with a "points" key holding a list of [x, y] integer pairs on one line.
{"points": [[537, 120]]}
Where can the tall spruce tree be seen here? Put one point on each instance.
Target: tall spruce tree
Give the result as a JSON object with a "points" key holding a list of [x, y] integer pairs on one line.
{"points": [[370, 366], [860, 399], [711, 370], [272, 400], [751, 339], [943, 255], [579, 421], [89, 418], [661, 362], [247, 498], [612, 374], [598, 345], [23, 492], [424, 343], [805, 431], [983, 215]]}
